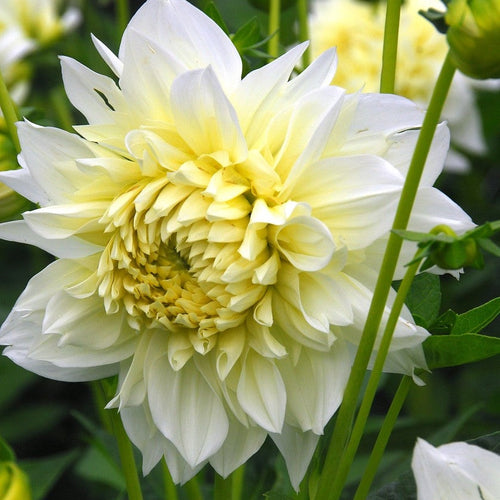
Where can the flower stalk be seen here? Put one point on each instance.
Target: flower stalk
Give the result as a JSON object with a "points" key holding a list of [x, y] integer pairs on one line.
{"points": [[126, 457], [168, 483], [346, 412], [389, 52], [383, 438], [274, 28], [373, 381]]}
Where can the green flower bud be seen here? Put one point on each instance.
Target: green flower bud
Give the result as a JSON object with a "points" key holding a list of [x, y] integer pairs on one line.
{"points": [[474, 37], [14, 483]]}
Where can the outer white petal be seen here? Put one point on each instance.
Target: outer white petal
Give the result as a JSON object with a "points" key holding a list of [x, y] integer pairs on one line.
{"points": [[204, 117], [186, 410], [402, 145], [262, 393], [432, 207], [21, 181], [50, 155], [257, 95], [94, 95], [315, 385], [111, 60], [71, 247], [143, 432], [240, 444], [196, 40], [354, 196], [297, 448], [455, 471]]}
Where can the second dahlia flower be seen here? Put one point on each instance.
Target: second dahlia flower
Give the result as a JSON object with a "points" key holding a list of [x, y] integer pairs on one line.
{"points": [[217, 240], [356, 28]]}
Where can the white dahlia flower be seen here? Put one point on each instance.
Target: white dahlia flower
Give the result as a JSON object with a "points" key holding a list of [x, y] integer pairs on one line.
{"points": [[455, 471], [356, 29], [217, 240]]}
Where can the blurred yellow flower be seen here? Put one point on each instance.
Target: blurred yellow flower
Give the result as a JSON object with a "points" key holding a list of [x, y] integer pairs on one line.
{"points": [[218, 240], [356, 29]]}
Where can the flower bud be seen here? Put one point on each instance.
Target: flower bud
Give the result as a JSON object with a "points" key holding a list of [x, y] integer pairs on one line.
{"points": [[474, 37], [14, 483]]}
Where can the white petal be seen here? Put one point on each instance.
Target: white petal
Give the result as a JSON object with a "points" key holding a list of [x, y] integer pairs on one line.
{"points": [[186, 410], [297, 448], [110, 59], [241, 443], [195, 39], [71, 247], [204, 116], [432, 207], [50, 155], [315, 385], [354, 196], [401, 149], [95, 96], [21, 181], [262, 393], [456, 471]]}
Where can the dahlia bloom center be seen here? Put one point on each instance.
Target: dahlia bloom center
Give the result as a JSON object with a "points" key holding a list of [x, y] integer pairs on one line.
{"points": [[197, 240]]}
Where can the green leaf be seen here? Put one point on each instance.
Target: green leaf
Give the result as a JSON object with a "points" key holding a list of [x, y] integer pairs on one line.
{"points": [[247, 36], [213, 13], [476, 319], [444, 324], [45, 472], [6, 452], [402, 489], [424, 299], [452, 350]]}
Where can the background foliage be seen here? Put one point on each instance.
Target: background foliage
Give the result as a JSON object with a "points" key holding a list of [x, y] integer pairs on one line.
{"points": [[55, 428]]}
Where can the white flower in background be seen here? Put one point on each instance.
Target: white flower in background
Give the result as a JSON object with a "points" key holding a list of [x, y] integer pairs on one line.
{"points": [[356, 28], [218, 240], [26, 25], [455, 471]]}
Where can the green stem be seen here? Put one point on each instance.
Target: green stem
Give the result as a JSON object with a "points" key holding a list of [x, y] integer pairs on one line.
{"points": [[371, 389], [390, 50], [192, 489], [123, 14], [238, 482], [273, 46], [10, 113], [126, 457], [346, 412], [302, 9], [383, 438], [223, 488], [168, 483], [100, 400]]}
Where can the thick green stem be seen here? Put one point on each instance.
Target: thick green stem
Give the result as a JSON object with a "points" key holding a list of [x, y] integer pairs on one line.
{"points": [[273, 46], [223, 488], [383, 438], [346, 412], [238, 482], [390, 50], [302, 9], [192, 489], [168, 484], [371, 389], [126, 457], [10, 113]]}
